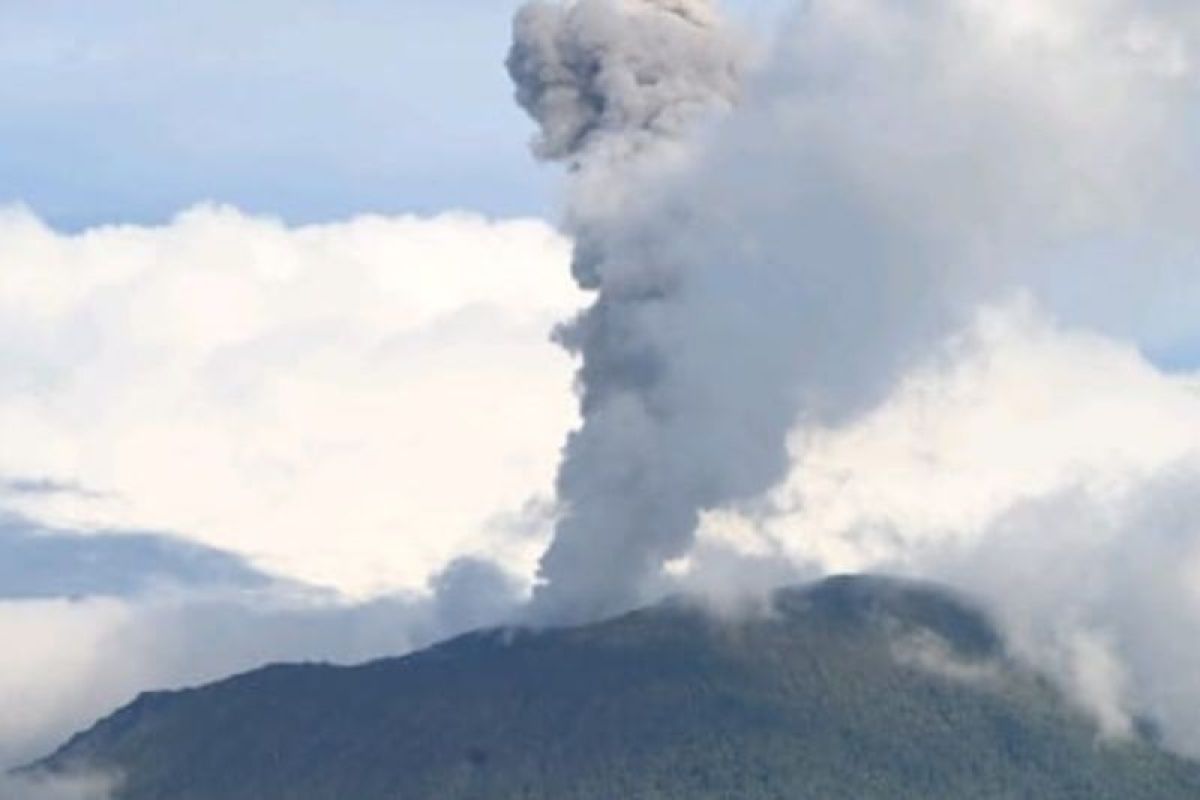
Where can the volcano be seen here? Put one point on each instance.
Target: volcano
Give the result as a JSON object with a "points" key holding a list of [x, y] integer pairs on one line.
{"points": [[855, 687]]}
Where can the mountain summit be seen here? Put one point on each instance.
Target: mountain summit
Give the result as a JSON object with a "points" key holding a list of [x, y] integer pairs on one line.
{"points": [[852, 688]]}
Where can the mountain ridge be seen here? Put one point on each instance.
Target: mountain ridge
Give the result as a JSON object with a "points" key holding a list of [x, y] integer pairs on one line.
{"points": [[852, 687]]}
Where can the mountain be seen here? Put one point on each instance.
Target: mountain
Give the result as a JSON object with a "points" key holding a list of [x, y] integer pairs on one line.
{"points": [[853, 688]]}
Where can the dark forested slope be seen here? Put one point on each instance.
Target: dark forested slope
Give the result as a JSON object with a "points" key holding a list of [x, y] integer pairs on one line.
{"points": [[855, 688]]}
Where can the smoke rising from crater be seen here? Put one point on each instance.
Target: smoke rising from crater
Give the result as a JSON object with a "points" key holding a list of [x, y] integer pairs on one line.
{"points": [[776, 246], [615, 87]]}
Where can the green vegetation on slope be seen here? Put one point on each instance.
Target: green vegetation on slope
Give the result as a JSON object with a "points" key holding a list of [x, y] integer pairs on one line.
{"points": [[856, 688]]}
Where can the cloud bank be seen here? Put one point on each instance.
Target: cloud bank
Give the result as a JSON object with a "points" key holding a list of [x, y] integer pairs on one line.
{"points": [[301, 396]]}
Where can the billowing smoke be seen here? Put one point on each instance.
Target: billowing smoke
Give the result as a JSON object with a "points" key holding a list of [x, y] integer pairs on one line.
{"points": [[610, 78], [1107, 599], [616, 86], [776, 246]]}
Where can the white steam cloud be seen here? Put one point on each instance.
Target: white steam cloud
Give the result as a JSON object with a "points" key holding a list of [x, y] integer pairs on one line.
{"points": [[1049, 473]]}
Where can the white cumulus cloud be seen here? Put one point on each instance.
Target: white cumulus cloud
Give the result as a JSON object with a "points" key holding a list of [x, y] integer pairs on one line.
{"points": [[353, 404]]}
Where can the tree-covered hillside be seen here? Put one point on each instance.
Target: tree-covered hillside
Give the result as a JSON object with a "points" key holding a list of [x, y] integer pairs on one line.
{"points": [[855, 688]]}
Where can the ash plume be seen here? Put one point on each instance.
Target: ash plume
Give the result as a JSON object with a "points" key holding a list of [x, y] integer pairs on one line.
{"points": [[775, 247], [616, 86]]}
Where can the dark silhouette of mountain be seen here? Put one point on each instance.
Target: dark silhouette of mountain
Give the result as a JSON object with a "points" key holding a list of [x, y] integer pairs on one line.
{"points": [[853, 688]]}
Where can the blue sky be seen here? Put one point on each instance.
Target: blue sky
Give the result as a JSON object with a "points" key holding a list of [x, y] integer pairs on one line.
{"points": [[130, 110]]}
